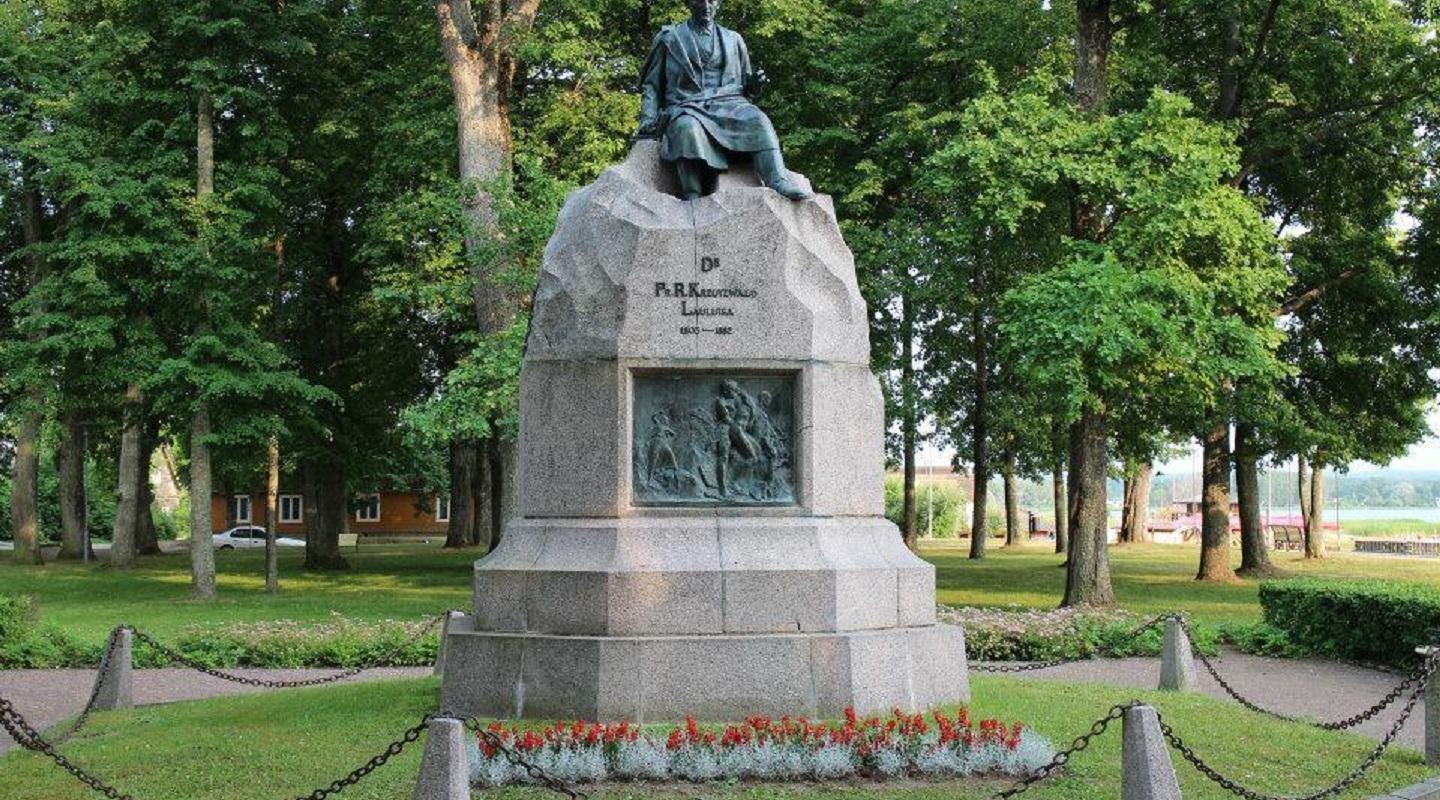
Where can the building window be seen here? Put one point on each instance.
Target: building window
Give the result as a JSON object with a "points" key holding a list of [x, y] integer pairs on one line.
{"points": [[367, 508], [292, 508], [442, 508], [240, 508]]}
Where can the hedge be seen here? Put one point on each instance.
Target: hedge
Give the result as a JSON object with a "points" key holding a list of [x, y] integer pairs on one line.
{"points": [[1375, 621]]}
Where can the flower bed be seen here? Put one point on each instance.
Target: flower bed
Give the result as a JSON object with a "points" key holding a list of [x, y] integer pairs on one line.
{"points": [[762, 749], [1027, 634]]}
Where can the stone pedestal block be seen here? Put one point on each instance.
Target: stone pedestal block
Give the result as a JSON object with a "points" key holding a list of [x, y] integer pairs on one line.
{"points": [[445, 766], [1177, 660], [718, 677], [1147, 773], [115, 680], [700, 523], [450, 617]]}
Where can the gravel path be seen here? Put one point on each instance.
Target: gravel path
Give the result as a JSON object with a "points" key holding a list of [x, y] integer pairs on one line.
{"points": [[1323, 690], [1320, 690], [48, 696]]}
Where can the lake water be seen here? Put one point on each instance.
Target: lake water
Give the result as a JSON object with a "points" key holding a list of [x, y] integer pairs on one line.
{"points": [[1431, 514]]}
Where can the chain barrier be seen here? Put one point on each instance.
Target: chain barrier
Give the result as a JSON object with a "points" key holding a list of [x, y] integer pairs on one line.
{"points": [[187, 661], [1390, 697], [1063, 757], [27, 737], [1344, 783], [1104, 652], [536, 774], [101, 674], [375, 762]]}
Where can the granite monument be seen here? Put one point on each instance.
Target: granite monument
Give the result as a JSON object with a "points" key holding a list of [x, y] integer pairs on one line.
{"points": [[699, 525]]}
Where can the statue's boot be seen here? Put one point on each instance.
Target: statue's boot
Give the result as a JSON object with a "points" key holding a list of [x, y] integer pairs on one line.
{"points": [[771, 167], [692, 178]]}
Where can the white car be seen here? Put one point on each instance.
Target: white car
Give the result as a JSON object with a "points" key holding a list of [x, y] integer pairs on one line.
{"points": [[249, 537]]}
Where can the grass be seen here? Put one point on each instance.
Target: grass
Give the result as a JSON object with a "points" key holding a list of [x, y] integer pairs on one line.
{"points": [[385, 582], [283, 744], [415, 581], [1148, 579], [1391, 528]]}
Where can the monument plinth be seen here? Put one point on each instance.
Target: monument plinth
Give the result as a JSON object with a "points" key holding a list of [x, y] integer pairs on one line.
{"points": [[699, 526]]}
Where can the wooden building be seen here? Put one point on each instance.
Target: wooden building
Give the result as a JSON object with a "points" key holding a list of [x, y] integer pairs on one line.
{"points": [[384, 513]]}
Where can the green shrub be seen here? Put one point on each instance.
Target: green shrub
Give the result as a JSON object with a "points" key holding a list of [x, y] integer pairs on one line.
{"points": [[27, 644], [1261, 639], [1378, 621], [1021, 634], [941, 497]]}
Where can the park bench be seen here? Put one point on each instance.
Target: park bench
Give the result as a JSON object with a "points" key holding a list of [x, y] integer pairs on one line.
{"points": [[1288, 537]]}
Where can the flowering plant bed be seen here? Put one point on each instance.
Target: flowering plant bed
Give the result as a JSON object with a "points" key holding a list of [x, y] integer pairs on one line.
{"points": [[764, 749]]}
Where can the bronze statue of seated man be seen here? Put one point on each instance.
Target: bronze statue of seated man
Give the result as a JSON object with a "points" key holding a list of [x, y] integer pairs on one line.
{"points": [[695, 96]]}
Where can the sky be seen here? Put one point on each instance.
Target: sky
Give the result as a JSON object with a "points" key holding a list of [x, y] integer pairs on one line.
{"points": [[1424, 455]]}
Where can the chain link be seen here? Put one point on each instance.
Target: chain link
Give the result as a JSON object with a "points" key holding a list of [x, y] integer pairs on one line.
{"points": [[1063, 757], [1426, 674], [1104, 652], [536, 774], [101, 674], [27, 737], [181, 658], [1338, 725]]}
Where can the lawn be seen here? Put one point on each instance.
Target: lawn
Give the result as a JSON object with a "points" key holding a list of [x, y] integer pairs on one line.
{"points": [[284, 744], [415, 581]]}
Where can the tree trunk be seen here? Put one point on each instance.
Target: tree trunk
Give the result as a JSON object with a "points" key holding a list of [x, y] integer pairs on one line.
{"points": [[202, 548], [459, 531], [1315, 530], [70, 466], [1013, 528], [147, 542], [25, 482], [979, 428], [1127, 509], [483, 504], [127, 509], [1215, 511], [1140, 514], [1254, 545], [909, 527], [1087, 575], [322, 541], [24, 511], [503, 494], [1062, 511], [1303, 493], [272, 514]]}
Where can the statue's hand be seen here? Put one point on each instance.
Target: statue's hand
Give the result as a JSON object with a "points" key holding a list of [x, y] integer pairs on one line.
{"points": [[649, 128]]}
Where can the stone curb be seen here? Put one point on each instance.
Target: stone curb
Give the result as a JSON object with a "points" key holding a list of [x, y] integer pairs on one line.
{"points": [[1429, 790]]}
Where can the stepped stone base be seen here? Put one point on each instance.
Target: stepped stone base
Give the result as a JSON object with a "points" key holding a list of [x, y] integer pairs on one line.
{"points": [[717, 677]]}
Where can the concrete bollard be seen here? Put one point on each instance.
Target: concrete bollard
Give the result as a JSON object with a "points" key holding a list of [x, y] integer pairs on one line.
{"points": [[1432, 711], [114, 680], [1177, 661], [450, 616], [445, 767], [1146, 771]]}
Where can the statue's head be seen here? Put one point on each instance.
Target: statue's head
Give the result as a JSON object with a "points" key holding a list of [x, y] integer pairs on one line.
{"points": [[704, 9]]}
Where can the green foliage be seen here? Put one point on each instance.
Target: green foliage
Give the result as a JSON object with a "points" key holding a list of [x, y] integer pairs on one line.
{"points": [[1014, 634], [1261, 639], [1378, 621], [941, 506], [27, 643]]}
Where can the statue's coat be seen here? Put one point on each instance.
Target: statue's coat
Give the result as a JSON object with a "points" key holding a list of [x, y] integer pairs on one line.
{"points": [[675, 85]]}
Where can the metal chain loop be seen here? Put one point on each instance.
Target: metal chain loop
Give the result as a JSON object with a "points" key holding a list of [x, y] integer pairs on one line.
{"points": [[103, 672], [1337, 725], [1428, 672], [181, 658], [1063, 757], [27, 737], [536, 774], [1104, 652]]}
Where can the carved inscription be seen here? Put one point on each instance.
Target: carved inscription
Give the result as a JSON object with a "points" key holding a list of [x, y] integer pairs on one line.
{"points": [[713, 439], [703, 308]]}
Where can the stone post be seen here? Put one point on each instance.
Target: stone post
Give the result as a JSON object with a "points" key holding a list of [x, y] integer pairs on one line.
{"points": [[1177, 661], [445, 767], [1146, 771], [114, 681], [444, 633], [1432, 711]]}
